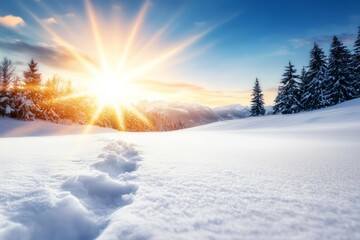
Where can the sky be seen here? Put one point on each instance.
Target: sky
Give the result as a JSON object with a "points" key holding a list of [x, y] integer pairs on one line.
{"points": [[200, 51]]}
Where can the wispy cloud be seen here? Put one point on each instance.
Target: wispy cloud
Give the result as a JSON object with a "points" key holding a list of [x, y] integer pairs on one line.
{"points": [[55, 56], [201, 94], [168, 86], [347, 38], [282, 51], [50, 20], [70, 14], [200, 23], [10, 34], [11, 21]]}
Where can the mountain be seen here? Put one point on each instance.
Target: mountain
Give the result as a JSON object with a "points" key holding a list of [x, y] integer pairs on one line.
{"points": [[192, 114], [235, 111]]}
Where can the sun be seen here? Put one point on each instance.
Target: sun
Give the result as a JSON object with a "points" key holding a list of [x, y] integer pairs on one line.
{"points": [[114, 56], [110, 87]]}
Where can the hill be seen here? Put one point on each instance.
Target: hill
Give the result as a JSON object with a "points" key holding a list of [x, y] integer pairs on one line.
{"points": [[272, 177]]}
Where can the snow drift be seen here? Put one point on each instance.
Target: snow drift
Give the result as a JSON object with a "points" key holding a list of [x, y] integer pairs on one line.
{"points": [[273, 177], [16, 128]]}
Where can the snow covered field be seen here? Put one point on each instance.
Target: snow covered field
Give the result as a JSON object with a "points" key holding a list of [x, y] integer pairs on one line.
{"points": [[273, 177]]}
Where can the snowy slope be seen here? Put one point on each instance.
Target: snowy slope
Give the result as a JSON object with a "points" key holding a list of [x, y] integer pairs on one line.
{"points": [[273, 177], [337, 116], [16, 128]]}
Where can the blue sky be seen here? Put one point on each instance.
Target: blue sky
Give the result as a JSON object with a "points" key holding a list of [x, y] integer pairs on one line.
{"points": [[248, 39]]}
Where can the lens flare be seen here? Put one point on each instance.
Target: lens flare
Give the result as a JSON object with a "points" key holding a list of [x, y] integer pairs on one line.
{"points": [[123, 56]]}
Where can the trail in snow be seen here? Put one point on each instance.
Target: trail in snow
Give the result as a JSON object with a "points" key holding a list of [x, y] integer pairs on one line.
{"points": [[110, 186], [80, 207]]}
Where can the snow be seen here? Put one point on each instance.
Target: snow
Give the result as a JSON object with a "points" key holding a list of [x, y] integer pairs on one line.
{"points": [[16, 128], [8, 110], [271, 177], [234, 111]]}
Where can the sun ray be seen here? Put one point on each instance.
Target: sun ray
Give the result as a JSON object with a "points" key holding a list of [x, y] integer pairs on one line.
{"points": [[153, 39], [62, 42], [164, 56], [136, 26], [140, 115], [111, 84], [95, 116], [50, 12], [119, 116], [96, 33], [73, 96]]}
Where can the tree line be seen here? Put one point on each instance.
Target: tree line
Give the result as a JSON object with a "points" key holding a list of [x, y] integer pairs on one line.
{"points": [[326, 81], [28, 97]]}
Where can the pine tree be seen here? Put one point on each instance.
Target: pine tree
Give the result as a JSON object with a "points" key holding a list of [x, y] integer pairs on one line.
{"points": [[303, 87], [257, 102], [7, 70], [22, 104], [313, 96], [15, 91], [33, 88], [287, 100], [355, 64], [32, 76], [340, 85]]}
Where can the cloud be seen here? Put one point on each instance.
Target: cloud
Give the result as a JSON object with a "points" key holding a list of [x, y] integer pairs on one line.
{"points": [[10, 34], [347, 39], [70, 14], [201, 94], [200, 23], [283, 51], [168, 86], [11, 21], [55, 56], [50, 20]]}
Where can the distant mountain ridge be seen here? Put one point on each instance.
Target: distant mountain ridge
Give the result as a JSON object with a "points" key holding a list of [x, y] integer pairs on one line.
{"points": [[191, 114]]}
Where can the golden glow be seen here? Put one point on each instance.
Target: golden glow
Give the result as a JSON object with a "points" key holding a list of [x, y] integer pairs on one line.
{"points": [[122, 56]]}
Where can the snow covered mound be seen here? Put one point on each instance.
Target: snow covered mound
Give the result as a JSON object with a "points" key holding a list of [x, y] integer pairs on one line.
{"points": [[16, 128], [68, 200], [273, 177], [339, 116]]}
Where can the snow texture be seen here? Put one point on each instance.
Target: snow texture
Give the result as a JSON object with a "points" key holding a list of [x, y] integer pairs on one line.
{"points": [[271, 177], [17, 128], [62, 198]]}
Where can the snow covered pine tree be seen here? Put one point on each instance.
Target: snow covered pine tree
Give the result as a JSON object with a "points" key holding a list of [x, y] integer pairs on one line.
{"points": [[7, 70], [33, 89], [303, 83], [287, 100], [340, 84], [313, 90], [355, 65], [257, 102]]}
